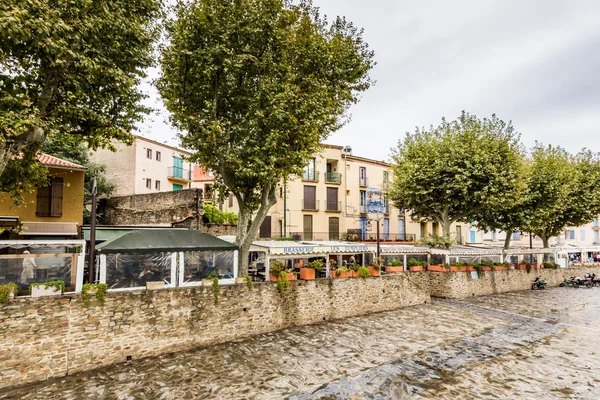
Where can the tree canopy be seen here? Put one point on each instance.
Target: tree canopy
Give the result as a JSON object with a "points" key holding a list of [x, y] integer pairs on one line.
{"points": [[458, 171], [255, 86], [562, 190], [70, 67]]}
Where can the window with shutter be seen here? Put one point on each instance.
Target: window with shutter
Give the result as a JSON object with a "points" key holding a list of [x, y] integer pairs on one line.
{"points": [[49, 199]]}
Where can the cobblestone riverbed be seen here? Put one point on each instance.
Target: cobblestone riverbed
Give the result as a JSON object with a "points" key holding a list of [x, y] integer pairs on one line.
{"points": [[524, 345]]}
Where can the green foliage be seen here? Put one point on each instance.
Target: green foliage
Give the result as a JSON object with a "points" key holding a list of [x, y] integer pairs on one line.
{"points": [[486, 263], [277, 267], [282, 283], [479, 270], [550, 265], [377, 262], [563, 190], [72, 67], [354, 268], [248, 282], [57, 285], [255, 86], [99, 288], [438, 242], [338, 271], [458, 171], [395, 263], [414, 263], [5, 291], [316, 264], [528, 267], [212, 215], [215, 285], [364, 272]]}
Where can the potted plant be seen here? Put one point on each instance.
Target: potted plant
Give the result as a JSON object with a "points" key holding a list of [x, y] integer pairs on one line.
{"points": [[276, 268], [458, 267], [8, 292], [354, 270], [486, 265], [50, 288], [375, 267], [308, 273], [342, 272], [415, 265], [394, 266], [97, 290], [437, 268], [363, 272]]}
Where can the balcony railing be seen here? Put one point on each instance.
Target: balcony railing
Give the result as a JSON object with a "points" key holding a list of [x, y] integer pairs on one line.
{"points": [[385, 185], [386, 208], [363, 208], [310, 176], [365, 237], [363, 181], [333, 206], [333, 177], [310, 205], [179, 173]]}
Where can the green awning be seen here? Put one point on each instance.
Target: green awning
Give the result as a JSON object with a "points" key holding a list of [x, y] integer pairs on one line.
{"points": [[163, 240], [102, 235]]}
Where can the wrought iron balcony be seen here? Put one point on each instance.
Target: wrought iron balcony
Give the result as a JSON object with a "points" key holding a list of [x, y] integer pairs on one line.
{"points": [[333, 206], [364, 182], [179, 174], [310, 205], [310, 176]]}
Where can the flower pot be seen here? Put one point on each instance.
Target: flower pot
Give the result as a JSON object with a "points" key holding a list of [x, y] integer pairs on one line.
{"points": [[161, 285], [436, 268], [454, 268], [307, 274], [393, 270], [416, 268], [43, 290], [486, 268], [500, 268], [470, 269], [341, 275], [375, 272]]}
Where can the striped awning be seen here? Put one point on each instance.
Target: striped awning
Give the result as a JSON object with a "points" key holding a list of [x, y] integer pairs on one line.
{"points": [[49, 228]]}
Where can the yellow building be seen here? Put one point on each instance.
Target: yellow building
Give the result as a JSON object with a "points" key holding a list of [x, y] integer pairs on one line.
{"points": [[54, 211]]}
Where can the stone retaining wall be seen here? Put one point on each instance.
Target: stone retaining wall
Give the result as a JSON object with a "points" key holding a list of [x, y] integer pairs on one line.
{"points": [[49, 337]]}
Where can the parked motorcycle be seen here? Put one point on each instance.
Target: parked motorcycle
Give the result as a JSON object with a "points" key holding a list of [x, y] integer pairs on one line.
{"points": [[576, 281], [538, 284]]}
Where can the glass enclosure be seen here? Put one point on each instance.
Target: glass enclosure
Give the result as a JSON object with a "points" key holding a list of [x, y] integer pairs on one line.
{"points": [[199, 264], [134, 270]]}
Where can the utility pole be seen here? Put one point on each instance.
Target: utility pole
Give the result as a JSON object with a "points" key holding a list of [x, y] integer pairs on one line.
{"points": [[284, 207], [92, 262]]}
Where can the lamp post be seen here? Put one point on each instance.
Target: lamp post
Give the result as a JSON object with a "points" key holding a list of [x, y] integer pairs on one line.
{"points": [[92, 262]]}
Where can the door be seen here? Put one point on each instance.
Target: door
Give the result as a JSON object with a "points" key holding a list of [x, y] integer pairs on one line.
{"points": [[310, 171], [401, 229], [472, 237], [308, 227], [332, 199], [265, 228], [363, 227], [362, 177], [177, 167], [459, 239], [310, 198], [177, 186], [334, 228], [386, 229]]}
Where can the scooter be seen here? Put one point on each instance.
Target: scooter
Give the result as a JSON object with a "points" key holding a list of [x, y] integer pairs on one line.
{"points": [[538, 284]]}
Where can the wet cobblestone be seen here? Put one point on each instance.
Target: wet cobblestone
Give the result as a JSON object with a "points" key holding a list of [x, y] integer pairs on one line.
{"points": [[520, 345]]}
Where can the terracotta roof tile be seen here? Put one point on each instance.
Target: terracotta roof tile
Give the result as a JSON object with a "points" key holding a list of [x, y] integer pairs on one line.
{"points": [[52, 161], [201, 175]]}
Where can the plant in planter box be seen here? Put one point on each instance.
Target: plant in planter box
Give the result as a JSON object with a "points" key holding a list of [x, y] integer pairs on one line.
{"points": [[394, 265], [415, 265], [375, 267], [528, 267], [343, 272], [276, 268], [550, 265], [50, 287], [8, 291], [96, 289], [308, 273], [363, 272]]}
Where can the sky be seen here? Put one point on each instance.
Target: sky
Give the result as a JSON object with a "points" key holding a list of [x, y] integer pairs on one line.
{"points": [[535, 62]]}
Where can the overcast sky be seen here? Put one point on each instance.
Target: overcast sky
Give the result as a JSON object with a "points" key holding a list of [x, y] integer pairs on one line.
{"points": [[536, 63]]}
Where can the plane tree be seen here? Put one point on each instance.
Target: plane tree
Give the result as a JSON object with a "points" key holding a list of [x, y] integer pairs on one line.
{"points": [[460, 170], [254, 87]]}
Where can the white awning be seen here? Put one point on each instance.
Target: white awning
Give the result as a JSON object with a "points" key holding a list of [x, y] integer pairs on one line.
{"points": [[49, 228]]}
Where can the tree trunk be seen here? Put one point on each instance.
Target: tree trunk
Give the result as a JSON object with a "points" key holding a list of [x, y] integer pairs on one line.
{"points": [[245, 232], [545, 241], [507, 240], [4, 157]]}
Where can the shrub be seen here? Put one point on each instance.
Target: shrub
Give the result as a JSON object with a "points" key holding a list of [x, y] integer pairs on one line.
{"points": [[395, 263], [100, 288], [276, 267], [316, 264], [5, 291], [550, 265], [282, 283], [414, 263], [438, 242], [363, 272]]}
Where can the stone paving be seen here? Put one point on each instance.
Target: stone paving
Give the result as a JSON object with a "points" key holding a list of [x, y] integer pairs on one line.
{"points": [[524, 345]]}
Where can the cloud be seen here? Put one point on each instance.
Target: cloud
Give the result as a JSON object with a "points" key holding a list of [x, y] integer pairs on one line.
{"points": [[533, 62]]}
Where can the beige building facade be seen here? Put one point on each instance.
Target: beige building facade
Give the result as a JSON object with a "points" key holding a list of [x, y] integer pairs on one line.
{"points": [[146, 166]]}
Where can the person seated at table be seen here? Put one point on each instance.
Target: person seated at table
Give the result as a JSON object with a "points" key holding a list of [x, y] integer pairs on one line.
{"points": [[148, 276]]}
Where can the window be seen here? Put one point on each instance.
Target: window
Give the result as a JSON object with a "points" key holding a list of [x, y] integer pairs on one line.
{"points": [[177, 186], [386, 176], [362, 176], [310, 198], [516, 235], [149, 153], [158, 156], [423, 230], [332, 200], [582, 234], [148, 183], [334, 228], [572, 234], [49, 199], [157, 185], [310, 173], [401, 229]]}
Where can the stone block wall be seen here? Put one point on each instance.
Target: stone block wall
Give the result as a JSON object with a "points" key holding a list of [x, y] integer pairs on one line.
{"points": [[49, 337]]}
